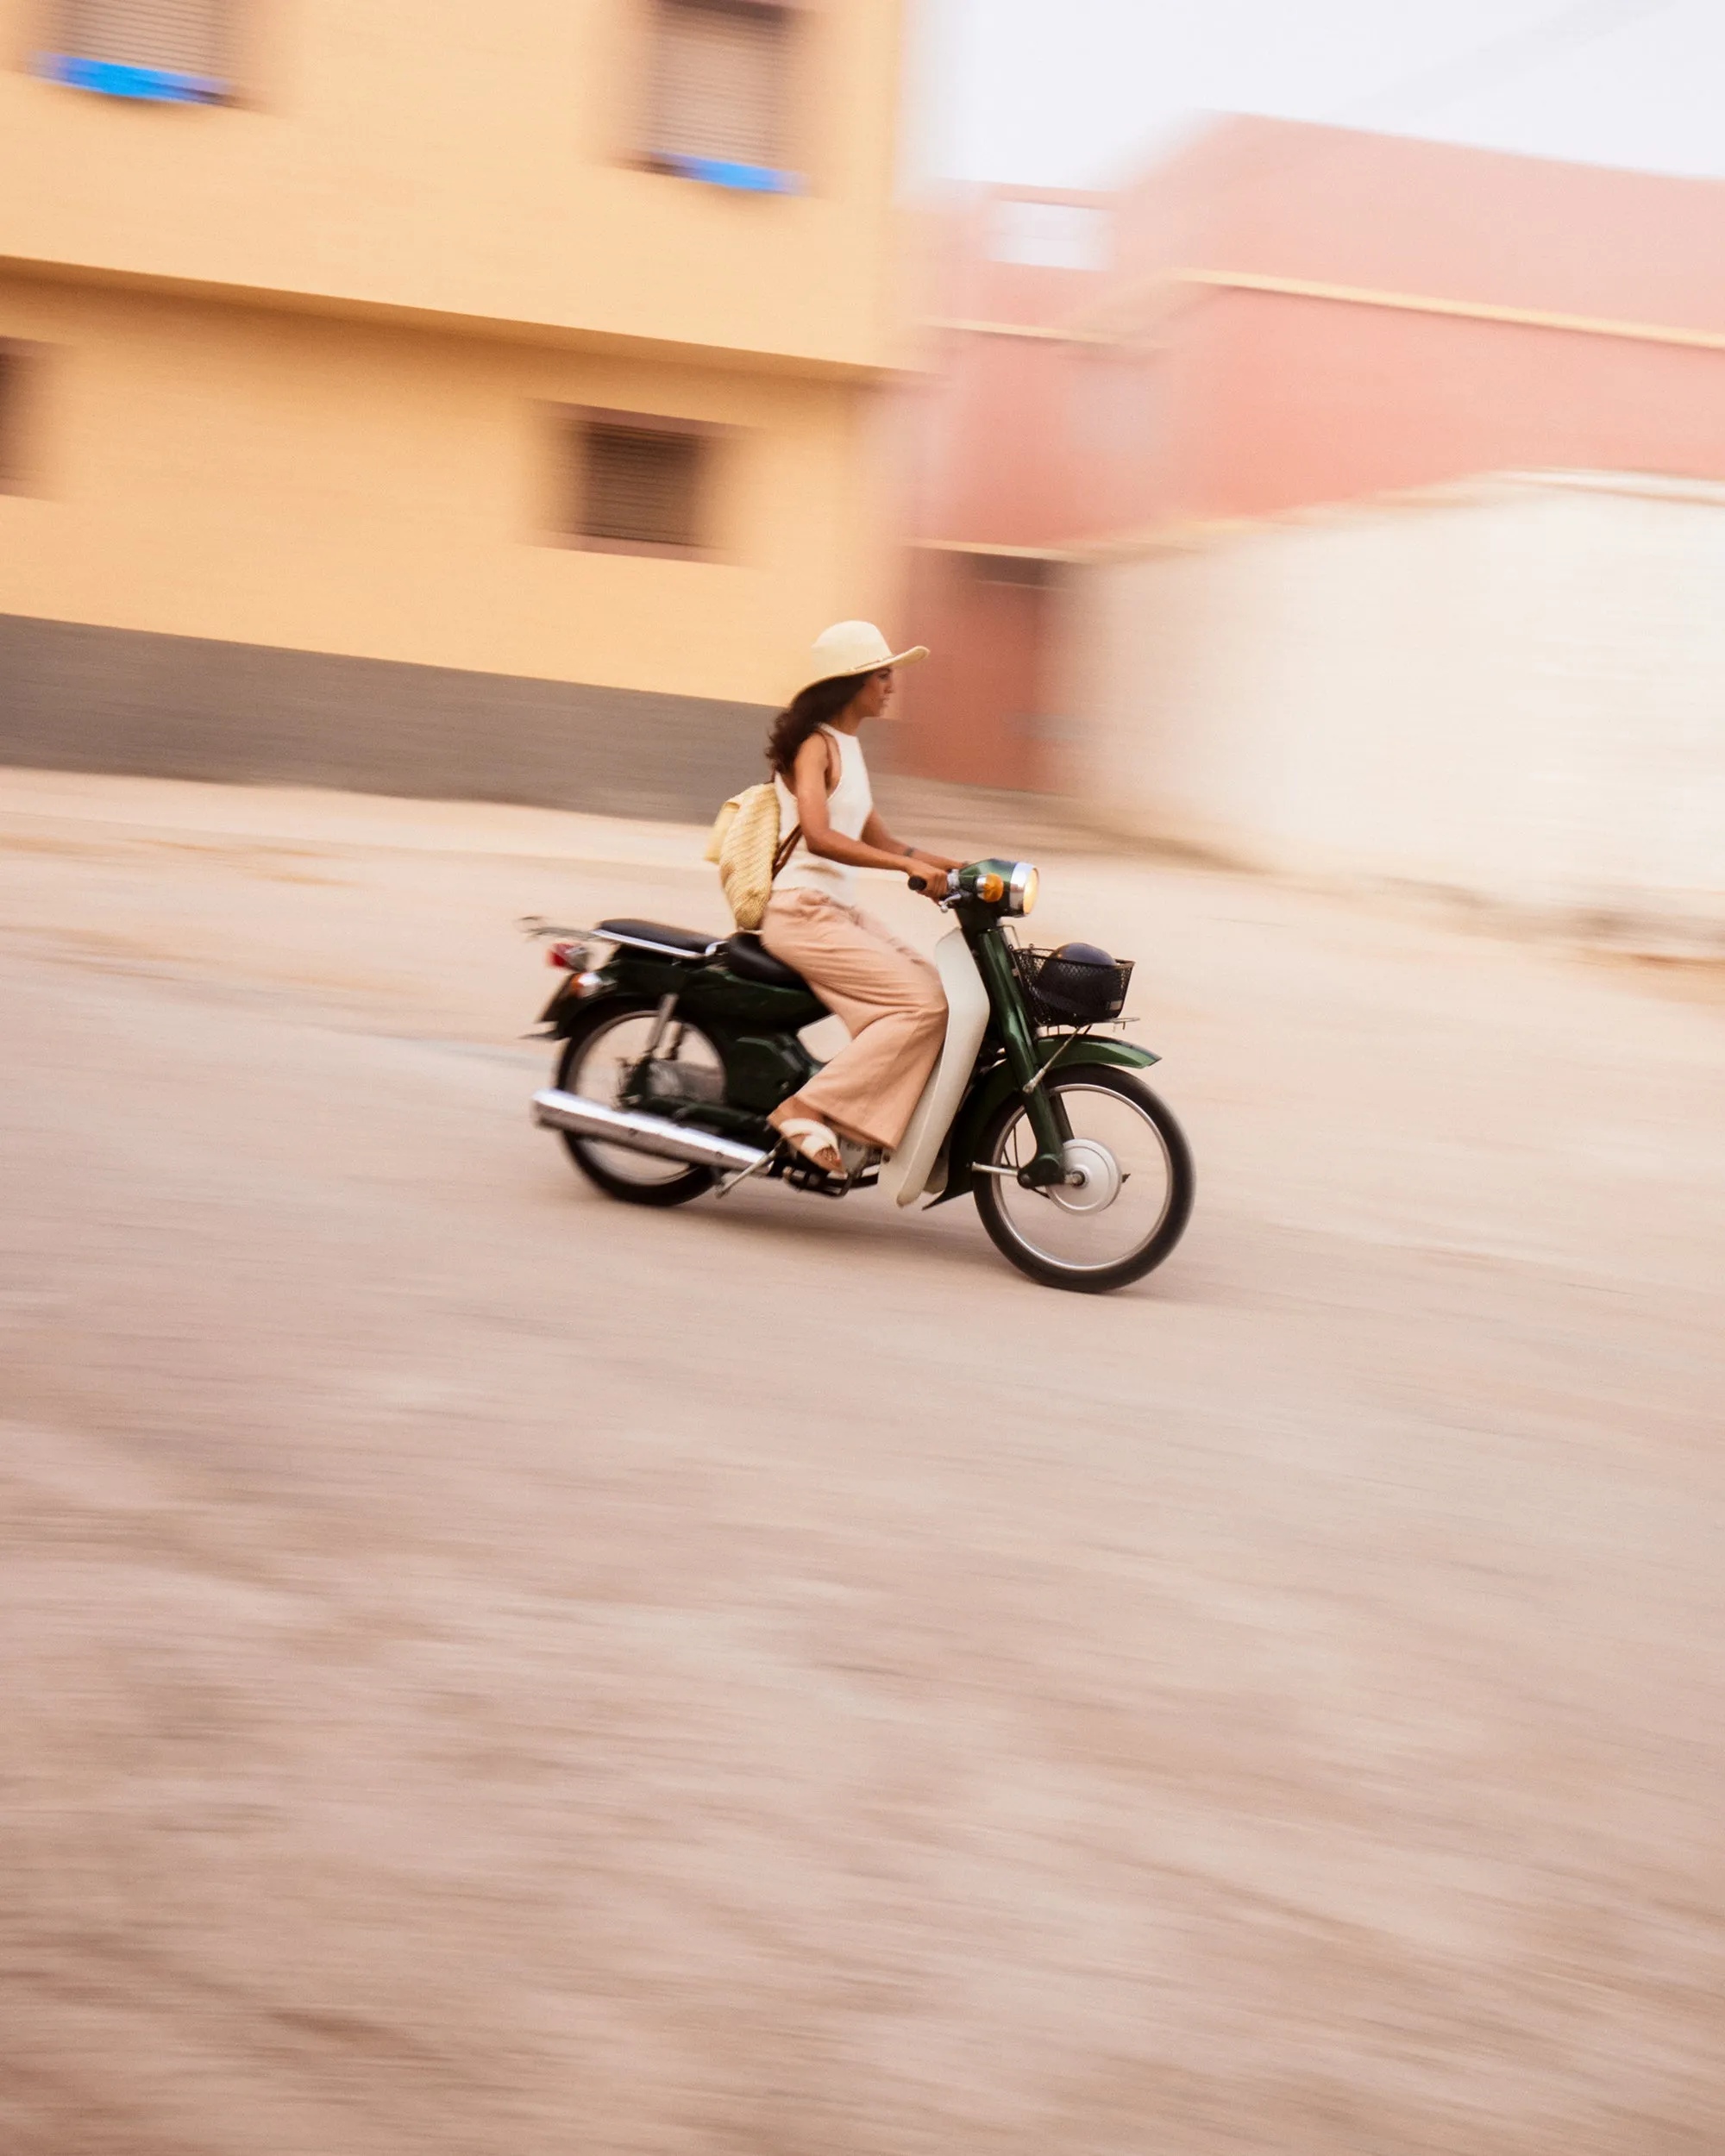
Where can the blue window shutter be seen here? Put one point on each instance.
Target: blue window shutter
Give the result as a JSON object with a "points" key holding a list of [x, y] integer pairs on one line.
{"points": [[718, 171], [148, 86], [162, 51]]}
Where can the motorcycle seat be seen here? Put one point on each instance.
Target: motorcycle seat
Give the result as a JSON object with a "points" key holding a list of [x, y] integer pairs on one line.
{"points": [[696, 941], [749, 958]]}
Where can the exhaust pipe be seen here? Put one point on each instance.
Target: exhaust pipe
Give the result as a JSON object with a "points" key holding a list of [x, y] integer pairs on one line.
{"points": [[556, 1111]]}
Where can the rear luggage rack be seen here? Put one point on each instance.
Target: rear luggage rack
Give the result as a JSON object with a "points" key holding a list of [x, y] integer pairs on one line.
{"points": [[534, 924]]}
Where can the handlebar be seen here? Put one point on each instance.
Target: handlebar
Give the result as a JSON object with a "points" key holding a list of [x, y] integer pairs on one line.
{"points": [[1010, 886]]}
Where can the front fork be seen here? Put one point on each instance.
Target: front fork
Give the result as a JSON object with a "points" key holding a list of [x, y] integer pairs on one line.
{"points": [[1048, 1120]]}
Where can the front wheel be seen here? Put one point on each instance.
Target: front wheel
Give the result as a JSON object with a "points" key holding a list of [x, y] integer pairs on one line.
{"points": [[1129, 1192]]}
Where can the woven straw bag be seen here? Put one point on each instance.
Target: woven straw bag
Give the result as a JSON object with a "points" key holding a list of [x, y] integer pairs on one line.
{"points": [[745, 843]]}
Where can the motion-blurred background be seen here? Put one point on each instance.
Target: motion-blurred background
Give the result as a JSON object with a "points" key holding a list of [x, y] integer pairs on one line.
{"points": [[489, 1671], [489, 404]]}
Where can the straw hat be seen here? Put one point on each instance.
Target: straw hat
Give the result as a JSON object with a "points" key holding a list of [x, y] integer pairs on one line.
{"points": [[857, 647]]}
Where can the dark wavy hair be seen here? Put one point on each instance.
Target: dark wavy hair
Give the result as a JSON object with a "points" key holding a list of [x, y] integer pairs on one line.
{"points": [[817, 706]]}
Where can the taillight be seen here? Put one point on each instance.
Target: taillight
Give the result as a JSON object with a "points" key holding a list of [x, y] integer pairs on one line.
{"points": [[572, 958]]}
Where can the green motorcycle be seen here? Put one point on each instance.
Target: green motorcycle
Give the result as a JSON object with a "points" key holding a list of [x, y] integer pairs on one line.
{"points": [[677, 1045]]}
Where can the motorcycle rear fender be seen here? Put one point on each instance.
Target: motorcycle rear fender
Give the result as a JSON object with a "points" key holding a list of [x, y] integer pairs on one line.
{"points": [[567, 1011], [996, 1085], [562, 1014], [623, 974]]}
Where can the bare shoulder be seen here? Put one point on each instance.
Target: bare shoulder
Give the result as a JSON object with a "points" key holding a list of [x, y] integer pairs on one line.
{"points": [[815, 759]]}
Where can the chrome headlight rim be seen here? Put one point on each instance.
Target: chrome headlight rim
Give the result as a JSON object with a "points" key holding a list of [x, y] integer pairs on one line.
{"points": [[1022, 886]]}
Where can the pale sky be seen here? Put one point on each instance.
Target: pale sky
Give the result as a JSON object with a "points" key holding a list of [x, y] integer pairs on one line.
{"points": [[1080, 93]]}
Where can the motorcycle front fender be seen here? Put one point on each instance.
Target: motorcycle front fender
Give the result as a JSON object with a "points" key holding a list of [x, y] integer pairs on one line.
{"points": [[996, 1085]]}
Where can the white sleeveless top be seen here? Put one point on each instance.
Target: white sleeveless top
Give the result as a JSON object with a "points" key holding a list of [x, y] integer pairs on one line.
{"points": [[848, 807]]}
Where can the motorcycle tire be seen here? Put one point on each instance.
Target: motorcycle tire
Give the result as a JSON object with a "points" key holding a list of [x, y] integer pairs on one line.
{"points": [[672, 1189], [1006, 1208]]}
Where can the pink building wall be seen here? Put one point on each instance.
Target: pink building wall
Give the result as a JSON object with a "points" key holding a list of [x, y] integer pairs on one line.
{"points": [[1172, 402], [1375, 210], [977, 710], [993, 418], [1276, 403], [1000, 454]]}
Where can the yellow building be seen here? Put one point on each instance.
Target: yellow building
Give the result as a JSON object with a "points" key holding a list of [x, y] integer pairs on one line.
{"points": [[436, 397]]}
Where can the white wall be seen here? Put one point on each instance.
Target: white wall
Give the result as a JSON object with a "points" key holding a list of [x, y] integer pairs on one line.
{"points": [[1515, 689]]}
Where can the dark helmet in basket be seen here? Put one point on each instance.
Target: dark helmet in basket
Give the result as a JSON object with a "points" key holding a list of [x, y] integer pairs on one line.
{"points": [[1080, 983]]}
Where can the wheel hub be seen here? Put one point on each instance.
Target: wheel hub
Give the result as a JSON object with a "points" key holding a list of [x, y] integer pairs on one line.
{"points": [[1092, 1178]]}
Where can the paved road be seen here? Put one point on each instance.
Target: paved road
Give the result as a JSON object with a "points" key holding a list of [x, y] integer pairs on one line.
{"points": [[489, 1670]]}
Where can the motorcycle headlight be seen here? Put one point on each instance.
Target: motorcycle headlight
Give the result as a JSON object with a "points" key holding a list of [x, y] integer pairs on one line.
{"points": [[1021, 888]]}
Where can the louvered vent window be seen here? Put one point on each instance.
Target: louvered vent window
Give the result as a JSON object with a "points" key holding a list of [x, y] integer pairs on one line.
{"points": [[719, 92], [641, 486], [171, 51]]}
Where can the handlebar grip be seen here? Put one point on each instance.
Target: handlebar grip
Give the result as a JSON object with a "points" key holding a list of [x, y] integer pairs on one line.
{"points": [[918, 883]]}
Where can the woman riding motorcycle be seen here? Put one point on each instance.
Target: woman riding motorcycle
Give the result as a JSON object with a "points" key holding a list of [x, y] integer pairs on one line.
{"points": [[889, 996], [681, 1069]]}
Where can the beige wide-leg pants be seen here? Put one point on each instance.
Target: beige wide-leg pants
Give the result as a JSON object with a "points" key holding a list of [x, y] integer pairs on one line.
{"points": [[889, 997]]}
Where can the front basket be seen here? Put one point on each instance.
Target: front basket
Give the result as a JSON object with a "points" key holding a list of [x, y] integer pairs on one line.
{"points": [[1069, 991]]}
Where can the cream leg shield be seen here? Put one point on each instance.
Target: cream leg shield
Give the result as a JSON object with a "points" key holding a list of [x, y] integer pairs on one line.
{"points": [[905, 1177]]}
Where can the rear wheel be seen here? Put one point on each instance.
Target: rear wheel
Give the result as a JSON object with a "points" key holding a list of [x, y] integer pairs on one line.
{"points": [[1128, 1198], [607, 1061]]}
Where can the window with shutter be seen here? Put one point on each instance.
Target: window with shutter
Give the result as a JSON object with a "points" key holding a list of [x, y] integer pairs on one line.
{"points": [[720, 91], [640, 486], [166, 50]]}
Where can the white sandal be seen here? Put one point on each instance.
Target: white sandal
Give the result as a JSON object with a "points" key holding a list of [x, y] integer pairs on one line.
{"points": [[811, 1138]]}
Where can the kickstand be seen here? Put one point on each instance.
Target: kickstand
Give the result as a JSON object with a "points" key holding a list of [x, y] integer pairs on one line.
{"points": [[729, 1183]]}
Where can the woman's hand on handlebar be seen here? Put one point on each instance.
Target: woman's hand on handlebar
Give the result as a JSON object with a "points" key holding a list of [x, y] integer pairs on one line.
{"points": [[930, 879]]}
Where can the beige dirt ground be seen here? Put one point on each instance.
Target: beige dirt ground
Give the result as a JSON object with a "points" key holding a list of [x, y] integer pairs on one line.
{"points": [[491, 1672]]}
